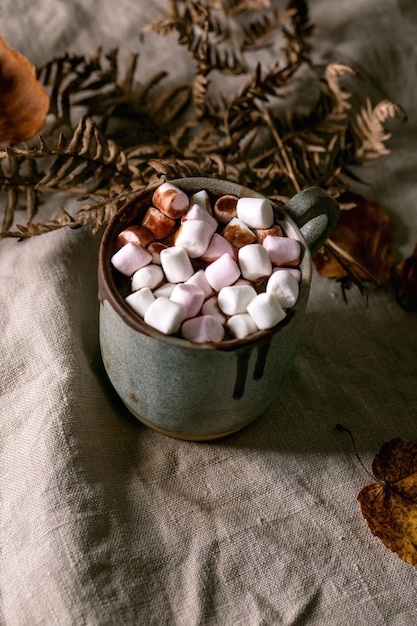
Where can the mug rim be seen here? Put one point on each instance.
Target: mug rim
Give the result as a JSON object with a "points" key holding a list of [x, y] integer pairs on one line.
{"points": [[107, 288]]}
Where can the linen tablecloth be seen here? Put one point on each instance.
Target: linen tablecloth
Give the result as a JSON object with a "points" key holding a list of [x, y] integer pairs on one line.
{"points": [[106, 522]]}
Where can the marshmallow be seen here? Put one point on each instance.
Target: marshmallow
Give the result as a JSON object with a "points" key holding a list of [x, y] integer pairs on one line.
{"points": [[190, 296], [261, 233], [235, 299], [284, 287], [159, 224], [283, 250], [155, 249], [130, 258], [217, 247], [265, 311], [171, 200], [165, 315], [196, 212], [241, 325], [225, 208], [292, 270], [165, 290], [238, 233], [149, 276], [199, 279], [140, 300], [194, 236], [202, 329], [176, 264], [222, 272], [137, 234], [202, 199], [254, 262], [211, 307], [255, 212]]}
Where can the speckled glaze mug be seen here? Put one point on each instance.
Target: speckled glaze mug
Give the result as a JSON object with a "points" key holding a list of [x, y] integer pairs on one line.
{"points": [[204, 391]]}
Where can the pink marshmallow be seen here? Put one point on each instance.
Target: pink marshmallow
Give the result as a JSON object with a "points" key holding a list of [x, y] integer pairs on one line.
{"points": [[202, 329], [196, 212], [130, 258], [282, 250], [211, 307], [190, 296], [217, 247], [222, 272]]}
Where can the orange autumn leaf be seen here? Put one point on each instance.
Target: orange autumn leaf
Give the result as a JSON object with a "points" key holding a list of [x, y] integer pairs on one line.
{"points": [[365, 233], [23, 102], [389, 506]]}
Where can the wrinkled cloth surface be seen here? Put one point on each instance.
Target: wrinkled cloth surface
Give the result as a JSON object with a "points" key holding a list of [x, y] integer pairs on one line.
{"points": [[106, 522]]}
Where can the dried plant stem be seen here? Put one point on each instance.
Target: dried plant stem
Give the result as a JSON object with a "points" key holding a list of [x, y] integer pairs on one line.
{"points": [[337, 251], [270, 123]]}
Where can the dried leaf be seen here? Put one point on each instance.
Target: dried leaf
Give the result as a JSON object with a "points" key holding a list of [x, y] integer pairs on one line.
{"points": [[365, 234], [389, 505], [404, 280], [24, 103]]}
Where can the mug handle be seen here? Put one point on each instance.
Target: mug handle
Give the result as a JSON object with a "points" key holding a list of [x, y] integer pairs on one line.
{"points": [[315, 213]]}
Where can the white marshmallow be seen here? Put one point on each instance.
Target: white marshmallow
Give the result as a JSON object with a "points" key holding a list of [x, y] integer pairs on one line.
{"points": [[130, 258], [254, 262], [199, 279], [211, 307], [171, 200], [149, 276], [176, 264], [202, 199], [165, 290], [140, 300], [222, 272], [282, 250], [265, 311], [202, 329], [217, 247], [235, 299], [165, 315], [284, 287], [293, 270], [238, 233], [194, 236], [196, 212], [190, 296], [255, 212], [241, 325]]}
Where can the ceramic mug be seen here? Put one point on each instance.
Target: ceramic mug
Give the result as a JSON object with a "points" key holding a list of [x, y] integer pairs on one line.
{"points": [[204, 391]]}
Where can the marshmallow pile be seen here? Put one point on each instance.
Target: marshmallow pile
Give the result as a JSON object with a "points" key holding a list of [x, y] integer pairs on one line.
{"points": [[205, 270]]}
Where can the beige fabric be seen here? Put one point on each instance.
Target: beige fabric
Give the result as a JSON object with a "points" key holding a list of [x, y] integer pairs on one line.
{"points": [[105, 522]]}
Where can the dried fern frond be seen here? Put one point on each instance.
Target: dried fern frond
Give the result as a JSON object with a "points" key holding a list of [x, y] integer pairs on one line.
{"points": [[370, 131]]}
